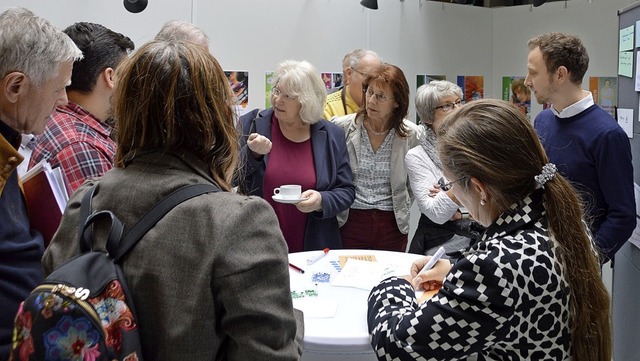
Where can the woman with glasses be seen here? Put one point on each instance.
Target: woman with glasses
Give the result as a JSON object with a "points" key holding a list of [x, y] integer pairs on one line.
{"points": [[530, 288], [378, 137], [442, 221], [290, 144]]}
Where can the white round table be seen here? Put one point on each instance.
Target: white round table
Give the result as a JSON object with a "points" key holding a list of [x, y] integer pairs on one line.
{"points": [[335, 317]]}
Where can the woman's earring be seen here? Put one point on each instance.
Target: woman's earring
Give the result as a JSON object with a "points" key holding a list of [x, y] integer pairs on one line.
{"points": [[482, 202]]}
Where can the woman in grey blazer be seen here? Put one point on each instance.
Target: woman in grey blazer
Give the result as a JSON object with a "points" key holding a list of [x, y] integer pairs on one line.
{"points": [[210, 280]]}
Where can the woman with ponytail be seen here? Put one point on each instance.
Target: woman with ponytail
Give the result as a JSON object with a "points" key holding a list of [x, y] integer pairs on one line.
{"points": [[530, 287]]}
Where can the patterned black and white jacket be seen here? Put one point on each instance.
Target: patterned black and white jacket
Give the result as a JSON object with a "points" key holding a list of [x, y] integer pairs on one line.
{"points": [[506, 298]]}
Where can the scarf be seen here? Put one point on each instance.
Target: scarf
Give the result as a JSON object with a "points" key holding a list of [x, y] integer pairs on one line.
{"points": [[428, 143]]}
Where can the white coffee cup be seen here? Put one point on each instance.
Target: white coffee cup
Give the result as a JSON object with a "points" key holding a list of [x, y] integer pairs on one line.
{"points": [[288, 191]]}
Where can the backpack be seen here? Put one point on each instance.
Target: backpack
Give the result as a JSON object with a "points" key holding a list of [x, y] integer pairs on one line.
{"points": [[83, 310]]}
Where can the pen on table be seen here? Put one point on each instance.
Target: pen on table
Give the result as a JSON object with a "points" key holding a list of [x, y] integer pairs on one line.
{"points": [[314, 259], [432, 262], [296, 268]]}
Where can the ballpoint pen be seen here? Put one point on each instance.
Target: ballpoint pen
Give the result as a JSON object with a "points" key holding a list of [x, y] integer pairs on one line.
{"points": [[315, 258], [296, 268], [432, 262]]}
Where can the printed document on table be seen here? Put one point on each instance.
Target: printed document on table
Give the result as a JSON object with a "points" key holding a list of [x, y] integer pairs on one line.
{"points": [[360, 274]]}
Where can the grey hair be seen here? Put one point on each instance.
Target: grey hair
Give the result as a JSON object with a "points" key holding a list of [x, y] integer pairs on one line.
{"points": [[356, 55], [33, 46], [177, 30], [429, 95], [302, 80]]}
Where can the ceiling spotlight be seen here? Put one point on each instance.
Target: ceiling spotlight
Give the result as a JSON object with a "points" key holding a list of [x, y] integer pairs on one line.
{"points": [[538, 2], [369, 4], [135, 6]]}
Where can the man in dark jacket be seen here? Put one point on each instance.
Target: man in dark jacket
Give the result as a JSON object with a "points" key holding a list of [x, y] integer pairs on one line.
{"points": [[36, 61]]}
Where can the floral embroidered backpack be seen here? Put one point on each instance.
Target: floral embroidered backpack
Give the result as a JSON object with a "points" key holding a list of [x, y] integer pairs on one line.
{"points": [[83, 310]]}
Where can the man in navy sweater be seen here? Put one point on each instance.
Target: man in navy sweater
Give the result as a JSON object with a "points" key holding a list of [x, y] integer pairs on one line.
{"points": [[582, 140], [35, 66]]}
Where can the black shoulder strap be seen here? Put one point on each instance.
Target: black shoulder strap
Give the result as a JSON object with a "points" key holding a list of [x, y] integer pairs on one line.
{"points": [[85, 210], [157, 212]]}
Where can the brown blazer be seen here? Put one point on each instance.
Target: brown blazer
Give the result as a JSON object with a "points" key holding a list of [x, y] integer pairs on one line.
{"points": [[210, 279]]}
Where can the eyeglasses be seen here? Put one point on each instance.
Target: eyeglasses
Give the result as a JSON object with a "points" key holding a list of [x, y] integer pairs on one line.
{"points": [[445, 185], [449, 106], [286, 97], [359, 72], [380, 97]]}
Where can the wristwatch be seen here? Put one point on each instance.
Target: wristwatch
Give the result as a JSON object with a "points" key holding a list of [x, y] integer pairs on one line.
{"points": [[464, 213]]}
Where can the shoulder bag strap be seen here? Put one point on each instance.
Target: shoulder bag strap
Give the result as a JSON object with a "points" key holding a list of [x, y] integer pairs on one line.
{"points": [[157, 212], [85, 212]]}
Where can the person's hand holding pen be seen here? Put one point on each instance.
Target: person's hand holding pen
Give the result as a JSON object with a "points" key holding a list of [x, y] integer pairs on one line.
{"points": [[258, 144], [429, 279]]}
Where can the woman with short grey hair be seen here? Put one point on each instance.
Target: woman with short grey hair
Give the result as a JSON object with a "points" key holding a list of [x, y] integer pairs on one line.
{"points": [[442, 221]]}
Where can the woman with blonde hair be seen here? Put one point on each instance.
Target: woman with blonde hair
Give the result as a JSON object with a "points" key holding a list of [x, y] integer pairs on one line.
{"points": [[196, 275], [290, 144], [530, 288]]}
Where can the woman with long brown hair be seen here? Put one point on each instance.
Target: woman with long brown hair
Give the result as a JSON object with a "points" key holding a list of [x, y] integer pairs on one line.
{"points": [[210, 280], [530, 288]]}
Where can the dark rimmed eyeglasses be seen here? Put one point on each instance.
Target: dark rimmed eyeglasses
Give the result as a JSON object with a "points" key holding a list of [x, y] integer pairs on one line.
{"points": [[449, 106], [445, 185]]}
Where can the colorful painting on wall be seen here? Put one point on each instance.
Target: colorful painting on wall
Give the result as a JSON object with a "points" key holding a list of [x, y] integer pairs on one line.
{"points": [[239, 83], [604, 91], [472, 87], [515, 92]]}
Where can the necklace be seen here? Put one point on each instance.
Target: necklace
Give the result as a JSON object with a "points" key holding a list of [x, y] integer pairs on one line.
{"points": [[374, 132]]}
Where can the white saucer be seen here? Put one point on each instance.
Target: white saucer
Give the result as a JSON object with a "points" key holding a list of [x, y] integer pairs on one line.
{"points": [[278, 198]]}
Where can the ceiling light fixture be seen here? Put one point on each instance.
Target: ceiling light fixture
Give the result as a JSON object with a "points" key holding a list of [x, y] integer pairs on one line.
{"points": [[135, 6], [369, 4]]}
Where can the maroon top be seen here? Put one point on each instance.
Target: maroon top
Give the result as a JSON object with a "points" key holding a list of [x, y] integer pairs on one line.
{"points": [[289, 163]]}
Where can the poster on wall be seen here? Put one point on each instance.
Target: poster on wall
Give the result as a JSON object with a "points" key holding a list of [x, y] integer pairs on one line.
{"points": [[426, 79], [604, 92], [239, 83], [472, 87], [515, 92], [268, 77], [332, 80]]}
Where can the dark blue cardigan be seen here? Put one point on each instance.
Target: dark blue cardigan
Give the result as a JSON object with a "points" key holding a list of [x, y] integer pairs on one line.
{"points": [[334, 179]]}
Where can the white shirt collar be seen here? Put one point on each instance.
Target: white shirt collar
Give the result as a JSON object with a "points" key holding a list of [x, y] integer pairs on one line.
{"points": [[575, 108]]}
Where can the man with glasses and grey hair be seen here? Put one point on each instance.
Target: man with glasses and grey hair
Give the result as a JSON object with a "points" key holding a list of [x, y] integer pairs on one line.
{"points": [[356, 66], [36, 60]]}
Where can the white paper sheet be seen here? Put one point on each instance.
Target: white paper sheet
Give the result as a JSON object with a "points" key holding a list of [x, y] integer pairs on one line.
{"points": [[625, 120], [360, 274], [316, 307]]}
